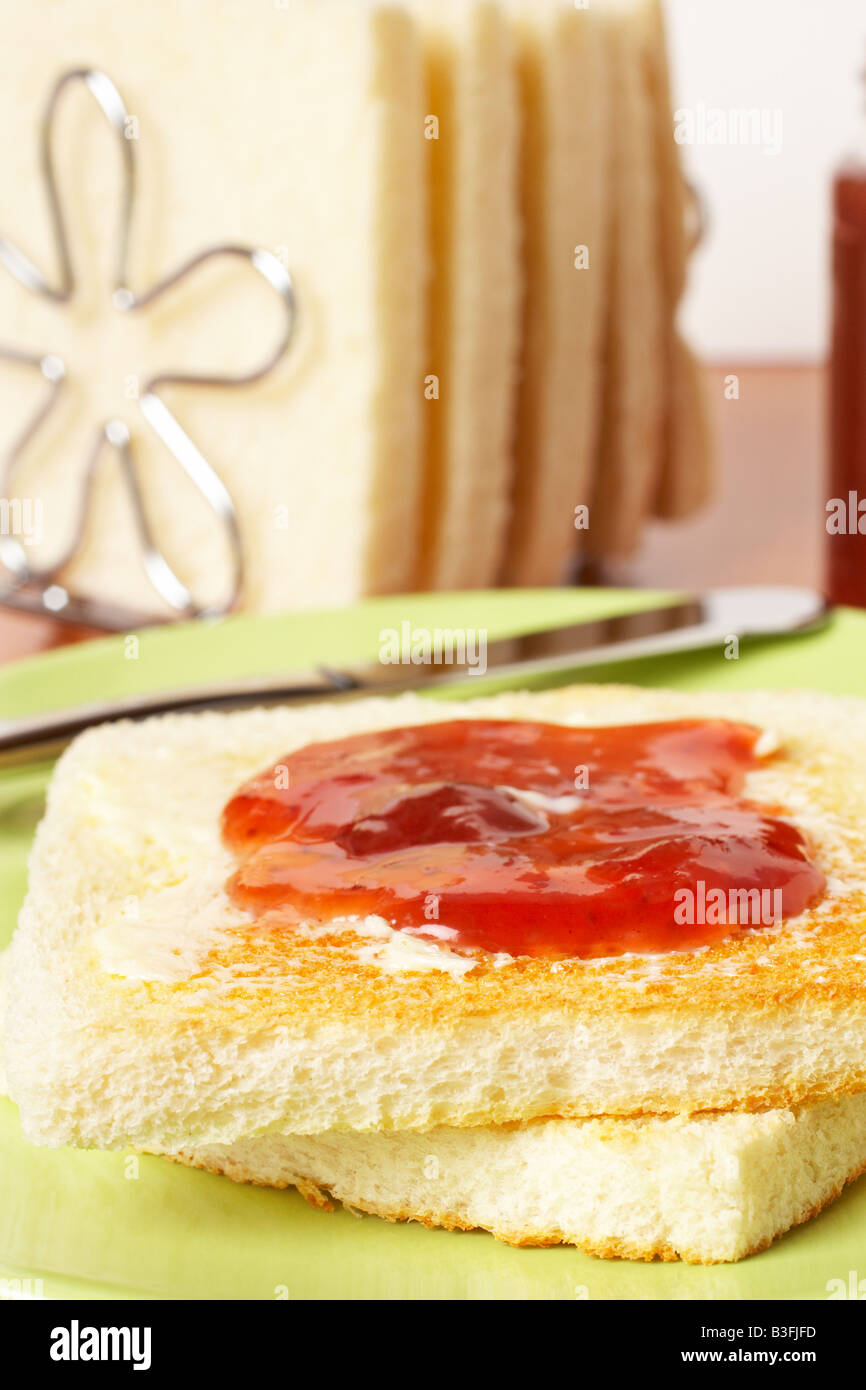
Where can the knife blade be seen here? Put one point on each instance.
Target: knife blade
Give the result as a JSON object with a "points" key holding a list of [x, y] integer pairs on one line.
{"points": [[688, 624]]}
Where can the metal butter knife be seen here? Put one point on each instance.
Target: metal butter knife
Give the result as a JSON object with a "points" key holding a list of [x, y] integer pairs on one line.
{"points": [[692, 623]]}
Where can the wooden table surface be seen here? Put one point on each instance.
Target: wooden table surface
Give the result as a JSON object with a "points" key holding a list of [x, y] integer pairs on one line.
{"points": [[766, 523]]}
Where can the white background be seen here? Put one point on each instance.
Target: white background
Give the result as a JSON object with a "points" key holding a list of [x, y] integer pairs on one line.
{"points": [[759, 288]]}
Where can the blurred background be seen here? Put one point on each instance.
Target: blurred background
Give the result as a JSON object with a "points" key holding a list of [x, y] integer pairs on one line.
{"points": [[759, 304]]}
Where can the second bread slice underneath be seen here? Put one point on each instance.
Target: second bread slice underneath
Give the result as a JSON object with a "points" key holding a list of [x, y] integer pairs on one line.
{"points": [[704, 1189]]}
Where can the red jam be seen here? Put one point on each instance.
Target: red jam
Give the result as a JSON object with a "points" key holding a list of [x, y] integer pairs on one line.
{"points": [[533, 839]]}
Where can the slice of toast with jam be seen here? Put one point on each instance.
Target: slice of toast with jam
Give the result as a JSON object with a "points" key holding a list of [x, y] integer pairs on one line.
{"points": [[295, 921]]}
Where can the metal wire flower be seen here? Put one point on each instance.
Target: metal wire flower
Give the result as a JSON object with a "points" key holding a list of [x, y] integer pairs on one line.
{"points": [[40, 588]]}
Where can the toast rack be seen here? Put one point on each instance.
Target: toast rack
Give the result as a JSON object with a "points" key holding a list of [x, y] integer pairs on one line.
{"points": [[41, 589]]}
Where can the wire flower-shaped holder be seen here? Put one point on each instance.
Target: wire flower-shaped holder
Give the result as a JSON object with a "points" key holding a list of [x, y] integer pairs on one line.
{"points": [[41, 588]]}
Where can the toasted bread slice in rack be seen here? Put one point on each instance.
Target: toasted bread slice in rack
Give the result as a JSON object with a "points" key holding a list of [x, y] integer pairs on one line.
{"points": [[629, 453], [475, 292], [565, 189], [686, 470]]}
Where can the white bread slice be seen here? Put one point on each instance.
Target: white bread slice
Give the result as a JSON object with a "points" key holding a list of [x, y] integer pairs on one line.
{"points": [[700, 1188], [565, 186], [145, 1009], [703, 1188], [295, 127], [630, 442], [475, 293]]}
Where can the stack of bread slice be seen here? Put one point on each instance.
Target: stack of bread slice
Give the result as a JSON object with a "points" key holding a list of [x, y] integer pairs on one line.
{"points": [[686, 1104], [482, 208]]}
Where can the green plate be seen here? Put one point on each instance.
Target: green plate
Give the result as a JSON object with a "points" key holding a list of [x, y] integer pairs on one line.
{"points": [[98, 1225]]}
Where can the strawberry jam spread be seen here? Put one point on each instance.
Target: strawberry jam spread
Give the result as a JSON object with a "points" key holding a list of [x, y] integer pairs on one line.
{"points": [[509, 836]]}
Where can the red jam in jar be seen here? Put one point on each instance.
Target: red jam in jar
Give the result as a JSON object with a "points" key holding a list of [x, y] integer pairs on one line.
{"points": [[525, 838]]}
